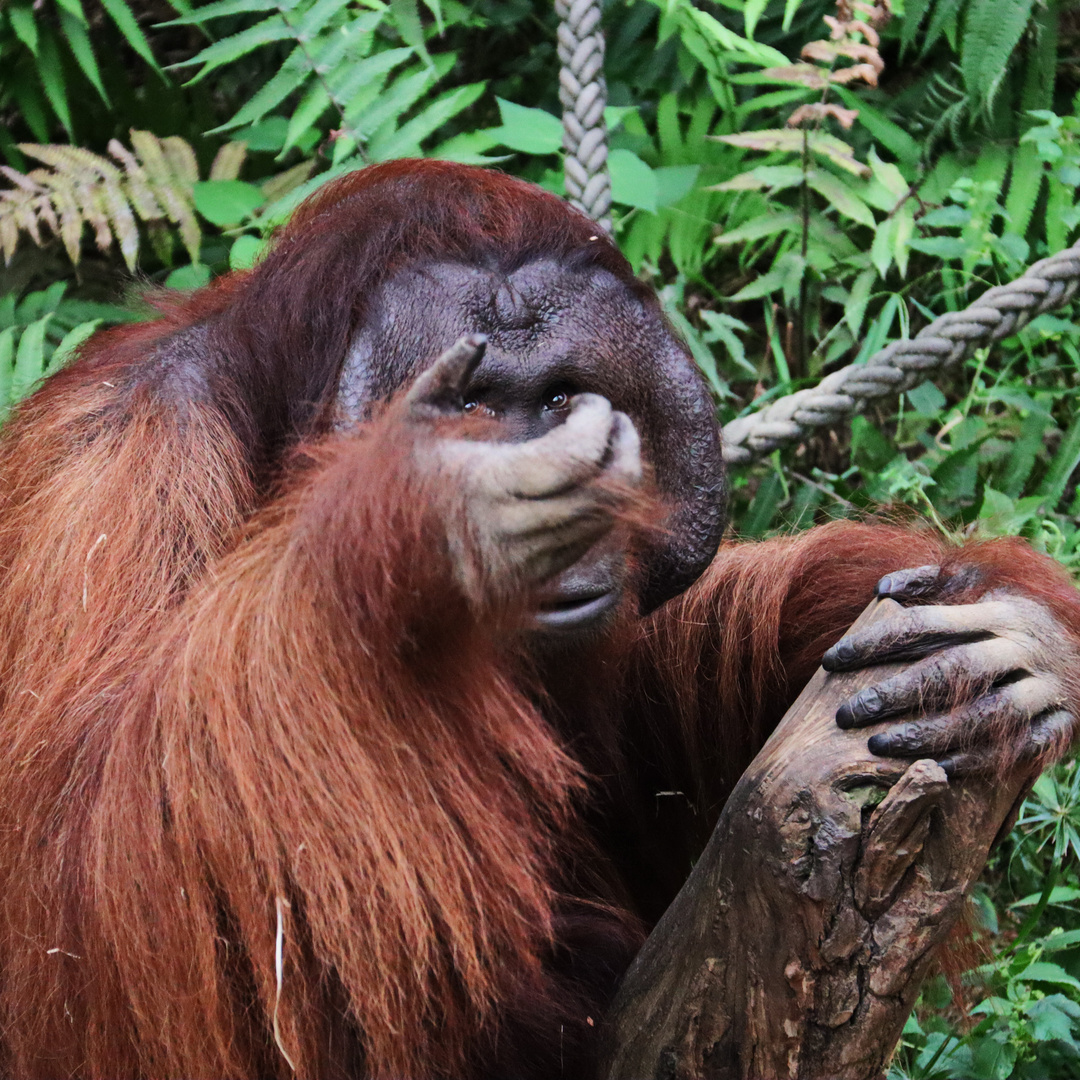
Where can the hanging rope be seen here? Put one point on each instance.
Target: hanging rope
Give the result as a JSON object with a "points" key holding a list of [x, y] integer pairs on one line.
{"points": [[583, 95], [942, 344]]}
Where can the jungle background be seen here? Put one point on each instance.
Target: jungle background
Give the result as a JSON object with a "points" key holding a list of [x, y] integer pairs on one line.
{"points": [[801, 180]]}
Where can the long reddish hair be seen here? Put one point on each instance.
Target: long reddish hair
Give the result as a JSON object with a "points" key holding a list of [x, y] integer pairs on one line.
{"points": [[250, 822]]}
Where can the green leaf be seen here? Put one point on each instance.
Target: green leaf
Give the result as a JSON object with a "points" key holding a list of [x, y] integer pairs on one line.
{"points": [[889, 177], [633, 183], [991, 33], [893, 137], [1026, 450], [244, 251], [529, 131], [1067, 940], [400, 96], [470, 147], [316, 19], [791, 141], [760, 227], [406, 140], [312, 105], [926, 399], [858, 298], [24, 23], [772, 178], [406, 18], [79, 42], [942, 21], [914, 13], [614, 115], [1040, 68], [1052, 1017], [752, 11], [73, 7], [941, 247], [29, 359], [7, 367], [728, 40], [31, 104], [351, 79], [905, 229], [765, 285], [361, 88], [669, 128], [992, 1060], [1045, 972], [946, 217], [237, 45], [674, 182], [1063, 465], [51, 73], [221, 8], [266, 136], [192, 276], [764, 507], [840, 196], [125, 21], [285, 81], [722, 328], [435, 7], [881, 250], [227, 202], [70, 342]]}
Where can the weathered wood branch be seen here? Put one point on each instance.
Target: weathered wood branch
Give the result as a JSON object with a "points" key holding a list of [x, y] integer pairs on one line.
{"points": [[797, 946]]}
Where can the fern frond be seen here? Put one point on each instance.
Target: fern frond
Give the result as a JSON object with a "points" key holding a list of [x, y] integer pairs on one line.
{"points": [[153, 184], [228, 160]]}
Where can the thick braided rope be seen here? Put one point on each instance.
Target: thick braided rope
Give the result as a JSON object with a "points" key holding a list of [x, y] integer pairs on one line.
{"points": [[583, 95], [999, 312]]}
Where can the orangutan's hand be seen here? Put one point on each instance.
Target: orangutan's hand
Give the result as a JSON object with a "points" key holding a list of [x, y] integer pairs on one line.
{"points": [[524, 511], [987, 682]]}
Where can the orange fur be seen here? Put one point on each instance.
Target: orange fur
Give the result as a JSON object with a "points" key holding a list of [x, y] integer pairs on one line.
{"points": [[186, 768], [227, 731], [242, 716], [712, 673]]}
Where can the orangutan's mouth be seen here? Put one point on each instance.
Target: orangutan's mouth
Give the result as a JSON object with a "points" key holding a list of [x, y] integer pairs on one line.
{"points": [[574, 612]]}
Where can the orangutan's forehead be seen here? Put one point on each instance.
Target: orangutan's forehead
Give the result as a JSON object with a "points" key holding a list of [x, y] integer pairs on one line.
{"points": [[533, 297], [537, 318]]}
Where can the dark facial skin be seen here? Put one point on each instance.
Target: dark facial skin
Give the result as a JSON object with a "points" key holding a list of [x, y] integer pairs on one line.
{"points": [[553, 333]]}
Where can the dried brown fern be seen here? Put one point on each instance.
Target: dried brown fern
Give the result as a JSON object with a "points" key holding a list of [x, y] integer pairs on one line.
{"points": [[154, 183]]}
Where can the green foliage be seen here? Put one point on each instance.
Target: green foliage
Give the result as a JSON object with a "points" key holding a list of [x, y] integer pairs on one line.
{"points": [[40, 333], [80, 188], [362, 68], [43, 43], [157, 183], [987, 33], [1018, 1015]]}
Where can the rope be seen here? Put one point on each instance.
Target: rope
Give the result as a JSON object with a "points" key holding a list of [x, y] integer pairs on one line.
{"points": [[944, 343], [999, 312], [583, 95]]}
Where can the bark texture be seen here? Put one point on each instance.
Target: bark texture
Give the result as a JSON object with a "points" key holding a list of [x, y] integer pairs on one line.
{"points": [[797, 947]]}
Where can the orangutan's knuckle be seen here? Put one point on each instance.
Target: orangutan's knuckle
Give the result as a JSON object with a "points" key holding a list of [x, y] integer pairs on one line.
{"points": [[909, 734]]}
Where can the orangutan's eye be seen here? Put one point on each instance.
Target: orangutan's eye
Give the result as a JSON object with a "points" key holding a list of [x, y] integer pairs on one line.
{"points": [[558, 397]]}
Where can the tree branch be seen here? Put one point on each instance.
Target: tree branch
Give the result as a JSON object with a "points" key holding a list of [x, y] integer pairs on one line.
{"points": [[799, 942]]}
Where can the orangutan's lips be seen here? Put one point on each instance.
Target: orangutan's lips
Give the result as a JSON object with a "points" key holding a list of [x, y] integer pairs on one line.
{"points": [[572, 612]]}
